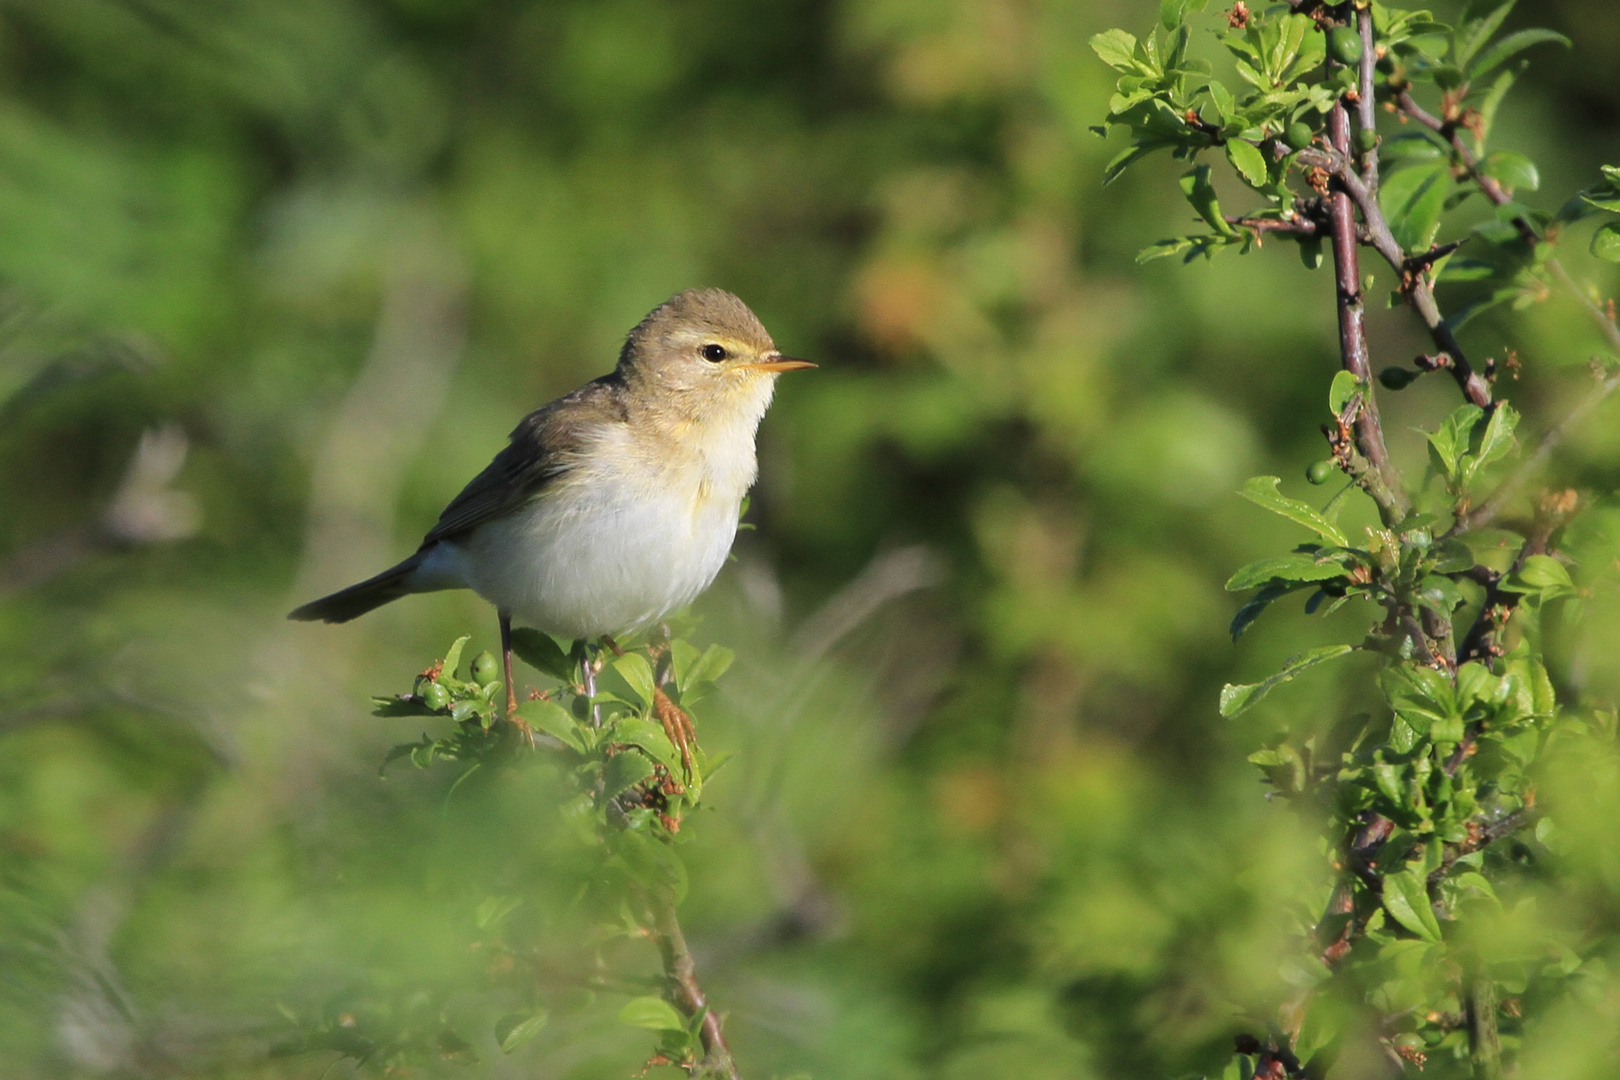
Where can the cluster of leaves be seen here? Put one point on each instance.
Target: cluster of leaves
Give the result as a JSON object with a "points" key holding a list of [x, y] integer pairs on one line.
{"points": [[1293, 68], [1430, 800], [611, 728]]}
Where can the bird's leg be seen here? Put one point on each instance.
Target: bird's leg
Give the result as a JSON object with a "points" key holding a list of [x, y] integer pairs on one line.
{"points": [[587, 679], [607, 640], [512, 716], [677, 722], [506, 663]]}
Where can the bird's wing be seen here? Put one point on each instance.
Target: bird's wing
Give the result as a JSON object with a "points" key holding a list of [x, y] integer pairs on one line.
{"points": [[544, 448]]}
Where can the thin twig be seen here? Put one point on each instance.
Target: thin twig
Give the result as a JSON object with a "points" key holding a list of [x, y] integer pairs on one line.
{"points": [[683, 985], [1510, 487], [1498, 603], [1417, 288], [1499, 196]]}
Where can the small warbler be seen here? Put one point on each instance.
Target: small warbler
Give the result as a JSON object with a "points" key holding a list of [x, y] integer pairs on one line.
{"points": [[616, 504]]}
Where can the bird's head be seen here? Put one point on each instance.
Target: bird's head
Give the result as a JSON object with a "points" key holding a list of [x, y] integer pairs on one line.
{"points": [[704, 349]]}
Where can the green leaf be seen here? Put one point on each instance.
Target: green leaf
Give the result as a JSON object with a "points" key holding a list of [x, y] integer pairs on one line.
{"points": [[1258, 603], [1543, 575], [542, 653], [648, 736], [652, 1013], [1138, 150], [554, 720], [653, 863], [623, 771], [1118, 50], [492, 909], [1297, 567], [1420, 696], [1406, 898], [1249, 162], [637, 673], [1412, 199], [1310, 252], [714, 662], [1346, 385], [1606, 242], [1236, 699], [1497, 442], [1448, 445], [1511, 46], [1200, 192], [1512, 170], [1262, 491], [1481, 20], [452, 659], [515, 1029], [1174, 12]]}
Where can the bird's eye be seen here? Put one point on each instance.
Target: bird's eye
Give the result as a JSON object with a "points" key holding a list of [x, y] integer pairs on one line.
{"points": [[714, 353]]}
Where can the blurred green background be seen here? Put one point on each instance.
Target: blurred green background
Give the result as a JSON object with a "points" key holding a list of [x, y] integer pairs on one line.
{"points": [[277, 277]]}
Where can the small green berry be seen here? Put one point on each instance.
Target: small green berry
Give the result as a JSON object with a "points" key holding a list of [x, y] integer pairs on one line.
{"points": [[1344, 45], [1386, 64], [1366, 140], [1396, 378], [1321, 472], [1298, 136], [435, 696], [484, 669]]}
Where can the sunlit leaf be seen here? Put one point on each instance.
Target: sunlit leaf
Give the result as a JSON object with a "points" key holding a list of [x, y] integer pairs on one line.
{"points": [[1248, 161], [1509, 47], [1237, 698], [1406, 898], [515, 1029], [652, 1013], [1412, 199], [1606, 242], [1262, 491]]}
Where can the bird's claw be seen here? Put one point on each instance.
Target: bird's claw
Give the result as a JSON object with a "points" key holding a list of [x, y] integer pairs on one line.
{"points": [[677, 725]]}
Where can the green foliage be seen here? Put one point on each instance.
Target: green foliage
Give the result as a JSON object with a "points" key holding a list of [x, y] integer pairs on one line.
{"points": [[625, 789], [1419, 795], [984, 820]]}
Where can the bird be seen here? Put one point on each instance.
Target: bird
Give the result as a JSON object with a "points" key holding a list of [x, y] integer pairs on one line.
{"points": [[614, 505]]}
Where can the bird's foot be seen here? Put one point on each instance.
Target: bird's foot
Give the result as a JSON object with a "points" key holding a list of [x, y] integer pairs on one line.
{"points": [[677, 725], [525, 732]]}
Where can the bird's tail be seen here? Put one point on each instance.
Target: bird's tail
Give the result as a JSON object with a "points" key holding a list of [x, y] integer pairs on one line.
{"points": [[356, 600]]}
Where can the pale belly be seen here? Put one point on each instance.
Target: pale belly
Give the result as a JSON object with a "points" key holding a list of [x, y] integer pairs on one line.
{"points": [[599, 558]]}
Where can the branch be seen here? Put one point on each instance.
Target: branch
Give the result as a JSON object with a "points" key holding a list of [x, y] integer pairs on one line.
{"points": [[1555, 512], [1497, 195], [683, 985], [1366, 104], [1479, 838], [1391, 499], [1416, 287]]}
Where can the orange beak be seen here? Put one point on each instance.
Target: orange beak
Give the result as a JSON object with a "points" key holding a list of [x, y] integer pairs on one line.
{"points": [[781, 363]]}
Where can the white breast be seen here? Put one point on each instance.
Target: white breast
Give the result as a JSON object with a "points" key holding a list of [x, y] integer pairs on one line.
{"points": [[621, 543]]}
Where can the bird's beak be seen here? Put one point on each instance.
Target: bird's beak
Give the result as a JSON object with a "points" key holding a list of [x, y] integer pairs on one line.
{"points": [[777, 362]]}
